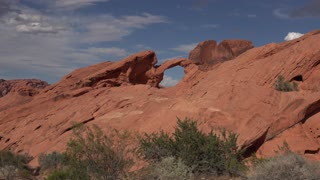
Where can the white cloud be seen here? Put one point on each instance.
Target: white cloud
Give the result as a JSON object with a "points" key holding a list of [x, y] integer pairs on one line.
{"points": [[292, 35], [75, 4], [113, 51], [29, 17], [168, 81], [32, 22], [186, 48], [38, 28]]}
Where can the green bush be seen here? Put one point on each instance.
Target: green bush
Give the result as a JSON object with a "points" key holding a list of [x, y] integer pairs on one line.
{"points": [[90, 154], [285, 86], [156, 146], [53, 161], [13, 166], [289, 166], [59, 175], [204, 153]]}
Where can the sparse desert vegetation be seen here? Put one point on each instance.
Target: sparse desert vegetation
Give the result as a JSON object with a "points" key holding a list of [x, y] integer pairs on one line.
{"points": [[186, 154], [285, 86], [13, 166], [203, 153], [90, 154], [287, 166]]}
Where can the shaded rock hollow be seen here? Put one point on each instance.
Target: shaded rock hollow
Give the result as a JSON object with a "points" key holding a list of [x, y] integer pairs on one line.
{"points": [[238, 95]]}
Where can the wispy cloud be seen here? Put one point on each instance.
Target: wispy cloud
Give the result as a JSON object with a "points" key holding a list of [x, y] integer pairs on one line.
{"points": [[37, 27], [186, 48], [75, 4], [282, 13], [109, 28], [113, 51]]}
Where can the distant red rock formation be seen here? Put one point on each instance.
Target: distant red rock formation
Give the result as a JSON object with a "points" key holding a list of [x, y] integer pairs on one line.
{"points": [[208, 53], [24, 87], [13, 92]]}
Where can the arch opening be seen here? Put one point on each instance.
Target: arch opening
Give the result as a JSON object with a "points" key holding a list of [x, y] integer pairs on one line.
{"points": [[172, 76]]}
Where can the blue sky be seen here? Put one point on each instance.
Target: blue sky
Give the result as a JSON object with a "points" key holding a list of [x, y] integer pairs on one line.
{"points": [[47, 39]]}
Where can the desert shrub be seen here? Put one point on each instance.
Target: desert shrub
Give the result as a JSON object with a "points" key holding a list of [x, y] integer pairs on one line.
{"points": [[156, 146], [59, 175], [90, 154], [167, 169], [289, 166], [204, 153], [52, 161], [171, 169], [285, 86], [253, 160], [283, 149], [13, 166]]}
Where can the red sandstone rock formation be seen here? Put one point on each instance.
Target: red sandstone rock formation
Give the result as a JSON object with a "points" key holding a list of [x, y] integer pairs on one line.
{"points": [[208, 53], [136, 69], [238, 95], [14, 92]]}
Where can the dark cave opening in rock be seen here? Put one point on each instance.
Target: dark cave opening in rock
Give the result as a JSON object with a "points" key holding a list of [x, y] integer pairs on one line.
{"points": [[297, 78], [172, 76]]}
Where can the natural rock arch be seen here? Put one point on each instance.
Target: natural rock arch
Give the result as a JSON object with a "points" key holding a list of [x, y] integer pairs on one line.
{"points": [[183, 62], [139, 68]]}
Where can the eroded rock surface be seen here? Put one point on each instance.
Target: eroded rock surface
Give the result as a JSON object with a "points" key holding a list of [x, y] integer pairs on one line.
{"points": [[238, 95]]}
